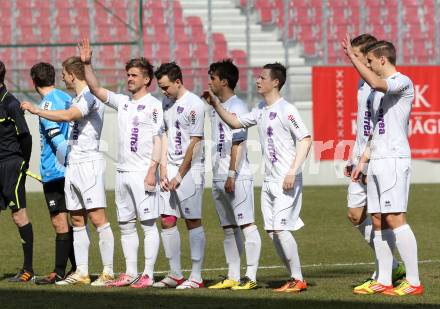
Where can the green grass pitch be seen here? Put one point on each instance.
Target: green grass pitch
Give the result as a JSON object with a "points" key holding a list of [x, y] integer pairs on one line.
{"points": [[333, 255]]}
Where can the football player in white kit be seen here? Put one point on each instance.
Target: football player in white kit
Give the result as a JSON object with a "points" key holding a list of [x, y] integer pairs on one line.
{"points": [[232, 185], [285, 141], [140, 120], [389, 167], [357, 191], [84, 175], [181, 175]]}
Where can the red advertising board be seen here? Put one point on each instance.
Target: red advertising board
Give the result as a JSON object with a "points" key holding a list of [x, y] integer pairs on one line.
{"points": [[335, 104]]}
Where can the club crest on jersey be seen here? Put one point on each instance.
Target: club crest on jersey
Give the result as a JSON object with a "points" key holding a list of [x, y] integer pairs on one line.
{"points": [[140, 107], [272, 115], [180, 109], [193, 117], [293, 121], [155, 112]]}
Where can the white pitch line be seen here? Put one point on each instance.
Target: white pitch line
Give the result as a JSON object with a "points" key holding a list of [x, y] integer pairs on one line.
{"points": [[303, 266]]}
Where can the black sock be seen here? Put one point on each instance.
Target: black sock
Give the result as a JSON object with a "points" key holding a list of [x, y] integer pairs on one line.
{"points": [[63, 244], [27, 238], [72, 251]]}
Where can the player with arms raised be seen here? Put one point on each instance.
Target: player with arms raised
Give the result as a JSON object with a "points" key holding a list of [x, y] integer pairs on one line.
{"points": [[84, 175], [140, 120], [286, 142], [389, 168]]}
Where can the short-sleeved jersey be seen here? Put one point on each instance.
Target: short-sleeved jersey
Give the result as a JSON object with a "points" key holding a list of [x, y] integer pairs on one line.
{"points": [[391, 119], [183, 119], [365, 98], [51, 162], [279, 126], [222, 138], [85, 133], [138, 122], [12, 124]]}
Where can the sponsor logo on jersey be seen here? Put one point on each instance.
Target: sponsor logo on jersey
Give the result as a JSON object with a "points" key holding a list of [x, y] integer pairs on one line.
{"points": [[293, 121], [47, 105], [180, 109], [140, 107], [75, 131], [380, 119], [155, 113], [367, 119], [221, 141], [271, 146], [272, 115], [178, 139], [193, 117]]}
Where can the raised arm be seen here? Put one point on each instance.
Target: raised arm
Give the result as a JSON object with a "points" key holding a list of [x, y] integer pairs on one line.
{"points": [[367, 75], [227, 117], [86, 57]]}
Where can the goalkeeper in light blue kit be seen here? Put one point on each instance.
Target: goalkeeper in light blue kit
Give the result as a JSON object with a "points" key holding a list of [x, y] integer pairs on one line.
{"points": [[54, 144]]}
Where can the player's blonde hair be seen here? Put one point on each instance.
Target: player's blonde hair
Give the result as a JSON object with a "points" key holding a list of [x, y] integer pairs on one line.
{"points": [[73, 65]]}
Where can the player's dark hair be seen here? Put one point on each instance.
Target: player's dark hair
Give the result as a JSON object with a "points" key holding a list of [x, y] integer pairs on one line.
{"points": [[277, 71], [225, 69], [73, 65], [2, 72], [144, 65], [43, 74], [170, 69], [362, 41], [383, 48]]}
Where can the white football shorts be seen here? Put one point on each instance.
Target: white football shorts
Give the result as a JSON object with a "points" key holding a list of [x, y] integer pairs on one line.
{"points": [[281, 208], [132, 200], [186, 201], [234, 208], [388, 185], [84, 185]]}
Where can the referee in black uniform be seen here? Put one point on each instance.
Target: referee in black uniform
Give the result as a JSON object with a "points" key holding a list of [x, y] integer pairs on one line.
{"points": [[15, 153]]}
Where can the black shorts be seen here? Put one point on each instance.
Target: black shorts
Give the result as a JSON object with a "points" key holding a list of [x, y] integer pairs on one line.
{"points": [[54, 194], [12, 184]]}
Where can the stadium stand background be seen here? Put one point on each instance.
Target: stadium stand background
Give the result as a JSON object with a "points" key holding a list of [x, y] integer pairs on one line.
{"points": [[299, 33]]}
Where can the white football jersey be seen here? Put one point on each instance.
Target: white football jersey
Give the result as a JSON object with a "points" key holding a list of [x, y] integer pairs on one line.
{"points": [[85, 133], [391, 119], [279, 126], [365, 98], [222, 138], [138, 122], [183, 119]]}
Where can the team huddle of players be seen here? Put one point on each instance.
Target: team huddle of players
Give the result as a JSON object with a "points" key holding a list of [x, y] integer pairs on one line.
{"points": [[160, 171]]}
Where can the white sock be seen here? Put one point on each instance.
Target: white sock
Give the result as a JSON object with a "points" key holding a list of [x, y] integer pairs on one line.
{"points": [[106, 247], [384, 256], [130, 246], [233, 247], [197, 245], [253, 249], [366, 229], [81, 243], [290, 249], [279, 250], [391, 239], [171, 245], [151, 246], [407, 245]]}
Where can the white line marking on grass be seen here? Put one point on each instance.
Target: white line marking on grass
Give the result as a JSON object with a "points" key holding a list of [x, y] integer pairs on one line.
{"points": [[435, 261]]}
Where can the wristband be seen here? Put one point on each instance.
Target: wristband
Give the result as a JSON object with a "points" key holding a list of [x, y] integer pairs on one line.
{"points": [[232, 174]]}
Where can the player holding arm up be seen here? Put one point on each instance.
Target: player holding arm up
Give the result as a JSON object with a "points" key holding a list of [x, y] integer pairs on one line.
{"points": [[389, 167], [286, 142], [182, 175], [232, 186], [84, 175], [140, 120], [357, 190], [54, 136]]}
